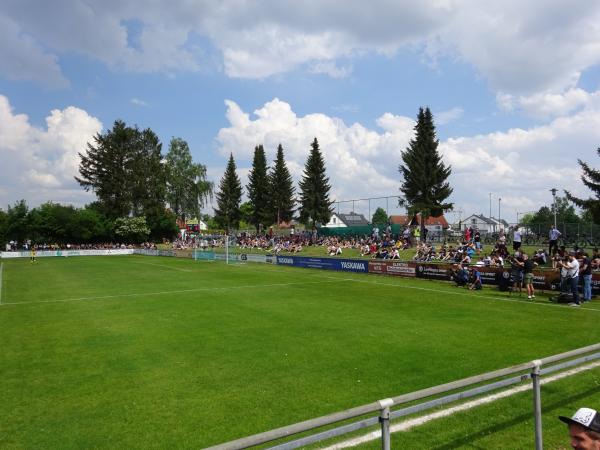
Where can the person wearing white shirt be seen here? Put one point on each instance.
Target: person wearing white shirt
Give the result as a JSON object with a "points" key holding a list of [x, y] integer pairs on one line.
{"points": [[572, 268], [516, 240], [553, 236]]}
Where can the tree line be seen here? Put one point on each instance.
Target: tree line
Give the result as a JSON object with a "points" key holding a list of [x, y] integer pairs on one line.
{"points": [[140, 192], [271, 194]]}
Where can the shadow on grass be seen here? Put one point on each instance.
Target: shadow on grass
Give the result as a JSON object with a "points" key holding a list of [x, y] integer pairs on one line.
{"points": [[472, 437]]}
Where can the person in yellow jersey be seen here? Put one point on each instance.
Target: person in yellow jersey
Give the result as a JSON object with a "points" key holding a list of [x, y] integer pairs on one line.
{"points": [[33, 253]]}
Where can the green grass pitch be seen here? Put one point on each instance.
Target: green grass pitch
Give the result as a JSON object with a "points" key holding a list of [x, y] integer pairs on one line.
{"points": [[145, 352]]}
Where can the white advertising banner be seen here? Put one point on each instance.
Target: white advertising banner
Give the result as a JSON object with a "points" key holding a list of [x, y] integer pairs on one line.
{"points": [[66, 253]]}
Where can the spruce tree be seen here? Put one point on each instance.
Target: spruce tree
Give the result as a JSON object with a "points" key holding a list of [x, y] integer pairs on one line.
{"points": [[258, 189], [590, 178], [315, 205], [281, 190], [424, 175], [227, 212]]}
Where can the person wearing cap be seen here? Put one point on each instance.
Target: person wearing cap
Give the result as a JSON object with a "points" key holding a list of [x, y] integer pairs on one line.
{"points": [[572, 268], [584, 429]]}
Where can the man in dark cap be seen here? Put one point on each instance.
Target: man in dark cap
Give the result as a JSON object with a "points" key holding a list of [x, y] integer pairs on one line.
{"points": [[584, 429]]}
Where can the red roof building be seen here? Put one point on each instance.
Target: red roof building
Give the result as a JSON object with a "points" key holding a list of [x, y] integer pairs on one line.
{"points": [[439, 223]]}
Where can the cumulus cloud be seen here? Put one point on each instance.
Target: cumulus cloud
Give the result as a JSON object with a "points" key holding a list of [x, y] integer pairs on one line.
{"points": [[546, 105], [39, 164], [450, 115], [519, 165], [519, 48], [24, 59]]}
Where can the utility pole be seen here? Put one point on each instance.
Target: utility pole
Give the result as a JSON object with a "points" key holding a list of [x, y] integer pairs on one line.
{"points": [[490, 205], [554, 191], [499, 200]]}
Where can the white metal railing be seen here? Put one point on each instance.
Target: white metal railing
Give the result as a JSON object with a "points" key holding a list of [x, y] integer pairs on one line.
{"points": [[531, 370]]}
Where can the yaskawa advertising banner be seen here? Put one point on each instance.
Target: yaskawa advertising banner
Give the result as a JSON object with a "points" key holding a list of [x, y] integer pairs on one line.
{"points": [[346, 265]]}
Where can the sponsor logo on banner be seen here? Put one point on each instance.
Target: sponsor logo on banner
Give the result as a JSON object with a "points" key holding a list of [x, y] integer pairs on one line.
{"points": [[354, 265], [393, 268], [347, 265], [437, 271]]}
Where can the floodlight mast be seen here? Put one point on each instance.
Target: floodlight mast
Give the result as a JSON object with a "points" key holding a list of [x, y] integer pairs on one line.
{"points": [[554, 191]]}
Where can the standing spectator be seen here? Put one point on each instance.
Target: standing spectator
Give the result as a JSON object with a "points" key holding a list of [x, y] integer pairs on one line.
{"points": [[468, 234], [553, 236], [516, 272], [516, 239], [477, 240], [586, 273], [584, 429], [528, 266], [572, 268]]}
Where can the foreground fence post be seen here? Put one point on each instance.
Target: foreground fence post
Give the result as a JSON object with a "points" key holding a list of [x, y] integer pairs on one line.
{"points": [[384, 419], [537, 404]]}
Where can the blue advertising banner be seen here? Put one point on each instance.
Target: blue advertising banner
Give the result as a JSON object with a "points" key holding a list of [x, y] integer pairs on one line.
{"points": [[347, 265]]}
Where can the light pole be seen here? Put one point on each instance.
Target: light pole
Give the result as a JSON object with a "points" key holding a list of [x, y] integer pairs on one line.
{"points": [[490, 205], [554, 191], [499, 200]]}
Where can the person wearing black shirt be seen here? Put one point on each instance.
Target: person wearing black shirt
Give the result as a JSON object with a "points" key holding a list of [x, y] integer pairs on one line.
{"points": [[586, 273], [516, 268], [528, 266], [477, 240]]}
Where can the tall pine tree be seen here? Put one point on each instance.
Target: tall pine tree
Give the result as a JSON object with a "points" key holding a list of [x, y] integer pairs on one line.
{"points": [[281, 190], [258, 189], [424, 175], [227, 212], [315, 205], [590, 178]]}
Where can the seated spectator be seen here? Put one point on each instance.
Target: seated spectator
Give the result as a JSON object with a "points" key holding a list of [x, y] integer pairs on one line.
{"points": [[475, 279]]}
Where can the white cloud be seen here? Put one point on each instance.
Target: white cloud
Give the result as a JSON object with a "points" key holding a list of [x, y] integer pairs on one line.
{"points": [[548, 104], [39, 164], [358, 160], [519, 48], [23, 59], [331, 69], [519, 165], [138, 102], [450, 115]]}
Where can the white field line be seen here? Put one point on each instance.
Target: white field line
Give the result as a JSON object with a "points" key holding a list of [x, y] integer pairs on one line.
{"points": [[178, 291], [461, 292], [1, 269], [411, 423]]}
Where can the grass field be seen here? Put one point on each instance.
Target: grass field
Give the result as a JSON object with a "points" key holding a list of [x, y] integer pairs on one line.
{"points": [[144, 352]]}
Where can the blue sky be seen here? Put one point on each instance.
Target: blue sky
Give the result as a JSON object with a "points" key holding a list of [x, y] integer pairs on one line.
{"points": [[514, 89]]}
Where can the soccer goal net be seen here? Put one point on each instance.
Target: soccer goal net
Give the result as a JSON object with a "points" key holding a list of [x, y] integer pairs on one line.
{"points": [[220, 248]]}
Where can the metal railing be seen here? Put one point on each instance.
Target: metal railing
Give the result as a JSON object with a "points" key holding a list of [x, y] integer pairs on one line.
{"points": [[531, 370]]}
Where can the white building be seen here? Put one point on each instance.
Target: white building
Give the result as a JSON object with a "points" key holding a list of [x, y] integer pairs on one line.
{"points": [[346, 220], [484, 224]]}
